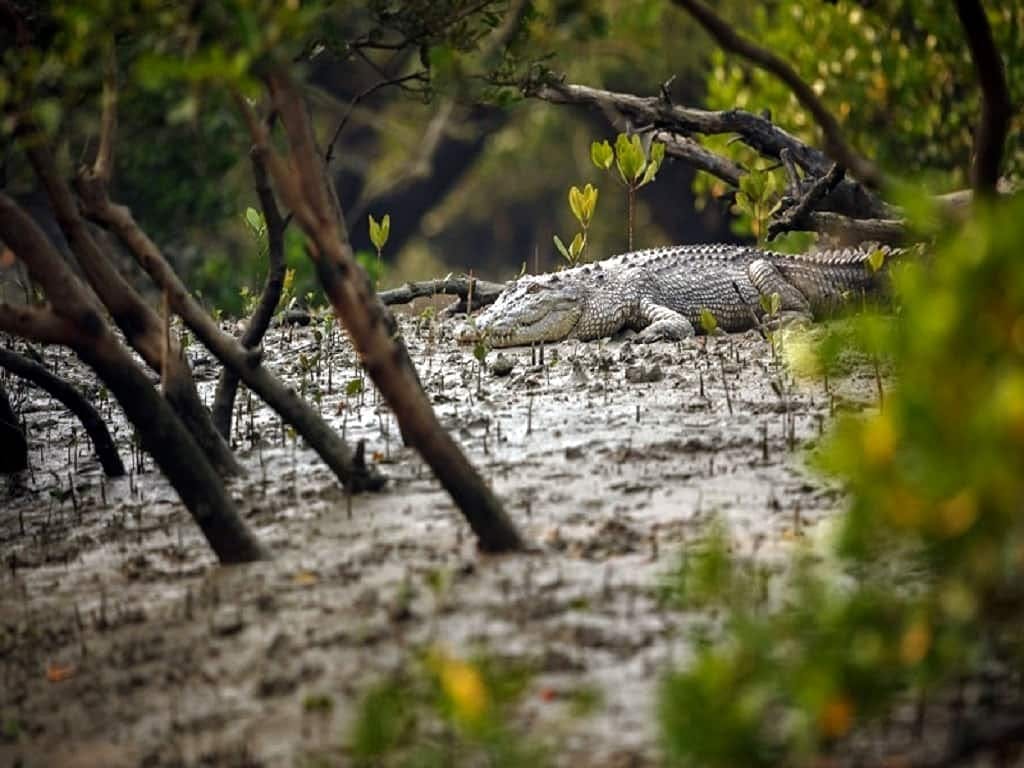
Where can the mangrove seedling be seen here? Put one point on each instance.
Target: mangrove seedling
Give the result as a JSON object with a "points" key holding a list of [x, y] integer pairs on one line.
{"points": [[636, 169]]}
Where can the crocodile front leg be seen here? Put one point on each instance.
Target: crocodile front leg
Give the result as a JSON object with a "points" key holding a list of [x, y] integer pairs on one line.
{"points": [[767, 279], [660, 323]]}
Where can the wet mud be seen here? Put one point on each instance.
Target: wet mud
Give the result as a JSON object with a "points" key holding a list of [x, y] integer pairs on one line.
{"points": [[123, 643]]}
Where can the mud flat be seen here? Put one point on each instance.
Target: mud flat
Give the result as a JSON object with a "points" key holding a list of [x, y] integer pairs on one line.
{"points": [[122, 643]]}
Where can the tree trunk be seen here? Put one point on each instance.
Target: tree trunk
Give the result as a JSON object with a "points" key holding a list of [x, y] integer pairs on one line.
{"points": [[76, 320], [13, 446], [304, 187], [295, 411], [141, 326]]}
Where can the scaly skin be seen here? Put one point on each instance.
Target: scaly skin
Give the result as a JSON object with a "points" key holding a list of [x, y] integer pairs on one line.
{"points": [[661, 292]]}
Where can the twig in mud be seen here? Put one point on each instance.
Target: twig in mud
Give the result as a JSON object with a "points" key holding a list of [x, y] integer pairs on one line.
{"points": [[725, 384]]}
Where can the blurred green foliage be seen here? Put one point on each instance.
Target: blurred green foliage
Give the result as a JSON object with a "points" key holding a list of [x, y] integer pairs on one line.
{"points": [[446, 711], [897, 75], [924, 578]]}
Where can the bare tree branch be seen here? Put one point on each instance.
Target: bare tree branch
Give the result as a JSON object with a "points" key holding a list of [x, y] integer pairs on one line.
{"points": [[71, 399], [850, 230], [359, 97], [760, 134], [483, 291], [836, 145], [990, 136], [796, 217], [142, 327], [293, 409]]}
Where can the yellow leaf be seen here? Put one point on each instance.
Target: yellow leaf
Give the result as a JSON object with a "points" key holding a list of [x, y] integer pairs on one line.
{"points": [[464, 687], [305, 578]]}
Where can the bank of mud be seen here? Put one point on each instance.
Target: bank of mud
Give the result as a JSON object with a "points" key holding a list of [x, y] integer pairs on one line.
{"points": [[122, 643]]}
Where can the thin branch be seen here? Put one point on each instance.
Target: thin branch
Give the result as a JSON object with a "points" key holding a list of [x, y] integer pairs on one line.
{"points": [[246, 363], [259, 321], [990, 137], [373, 330], [421, 74], [835, 144]]}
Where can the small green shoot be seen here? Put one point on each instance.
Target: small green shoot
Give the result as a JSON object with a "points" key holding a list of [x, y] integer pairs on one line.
{"points": [[708, 321], [379, 232], [582, 203]]}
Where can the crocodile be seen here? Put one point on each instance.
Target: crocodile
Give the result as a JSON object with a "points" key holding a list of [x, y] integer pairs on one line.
{"points": [[662, 292]]}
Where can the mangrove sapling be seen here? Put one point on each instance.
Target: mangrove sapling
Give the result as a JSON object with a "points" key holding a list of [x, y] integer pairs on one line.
{"points": [[635, 168], [379, 232], [582, 204]]}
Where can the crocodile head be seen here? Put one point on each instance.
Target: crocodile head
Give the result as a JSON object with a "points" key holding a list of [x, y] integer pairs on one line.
{"points": [[534, 308]]}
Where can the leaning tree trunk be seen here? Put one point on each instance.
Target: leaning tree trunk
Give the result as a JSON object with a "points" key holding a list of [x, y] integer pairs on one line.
{"points": [[352, 473], [76, 320], [74, 401], [304, 187], [141, 326]]}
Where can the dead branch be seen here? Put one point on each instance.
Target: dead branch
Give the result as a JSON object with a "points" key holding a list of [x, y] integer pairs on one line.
{"points": [[371, 327], [484, 292], [990, 137], [74, 401], [796, 216], [836, 145], [259, 321], [760, 134], [850, 230], [700, 157], [162, 434]]}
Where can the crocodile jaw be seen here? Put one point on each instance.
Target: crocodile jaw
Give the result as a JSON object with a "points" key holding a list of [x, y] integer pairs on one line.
{"points": [[510, 331]]}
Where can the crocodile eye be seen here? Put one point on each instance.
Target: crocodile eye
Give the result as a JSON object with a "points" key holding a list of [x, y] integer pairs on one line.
{"points": [[534, 288]]}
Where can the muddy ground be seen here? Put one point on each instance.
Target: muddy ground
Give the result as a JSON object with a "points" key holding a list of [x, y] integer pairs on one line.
{"points": [[122, 642]]}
